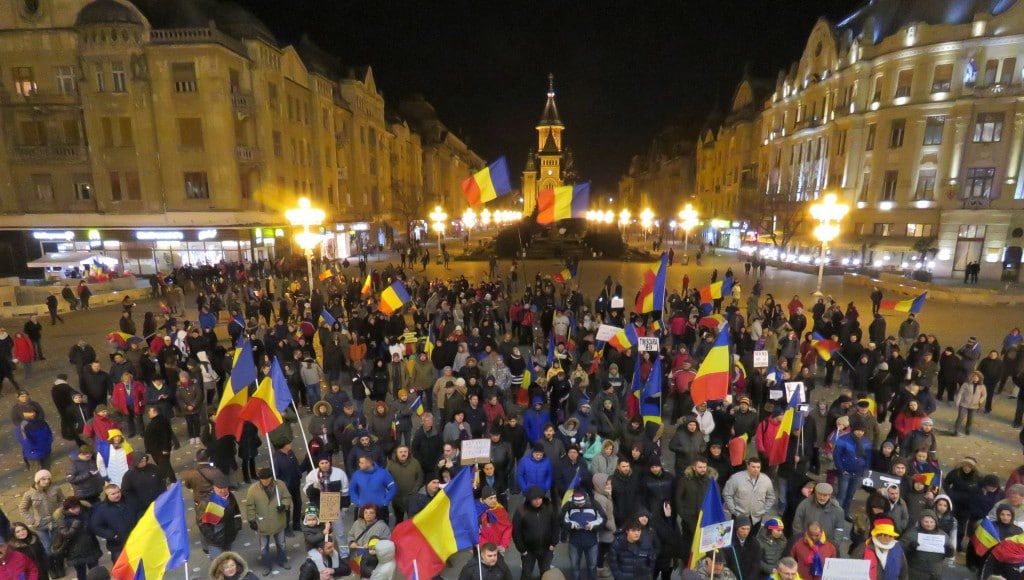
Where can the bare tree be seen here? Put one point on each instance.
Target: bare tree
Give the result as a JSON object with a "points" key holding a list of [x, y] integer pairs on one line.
{"points": [[776, 216]]}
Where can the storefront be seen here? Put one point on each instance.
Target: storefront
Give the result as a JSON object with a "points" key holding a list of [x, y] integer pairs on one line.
{"points": [[147, 251]]}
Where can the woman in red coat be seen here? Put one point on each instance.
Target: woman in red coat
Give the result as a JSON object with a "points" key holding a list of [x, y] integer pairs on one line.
{"points": [[24, 352]]}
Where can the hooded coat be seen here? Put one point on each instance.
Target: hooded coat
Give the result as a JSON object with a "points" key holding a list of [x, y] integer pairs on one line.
{"points": [[535, 530], [603, 500]]}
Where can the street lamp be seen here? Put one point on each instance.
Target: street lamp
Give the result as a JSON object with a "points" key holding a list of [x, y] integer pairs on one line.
{"points": [[646, 220], [438, 217], [469, 221], [687, 221], [306, 216], [486, 217], [624, 216], [828, 213]]}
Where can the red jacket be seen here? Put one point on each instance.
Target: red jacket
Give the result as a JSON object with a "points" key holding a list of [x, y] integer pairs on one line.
{"points": [[18, 565], [803, 553], [24, 351], [98, 426], [119, 400], [496, 527]]}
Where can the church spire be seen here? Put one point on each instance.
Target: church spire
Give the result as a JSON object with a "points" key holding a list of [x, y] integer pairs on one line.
{"points": [[550, 117]]}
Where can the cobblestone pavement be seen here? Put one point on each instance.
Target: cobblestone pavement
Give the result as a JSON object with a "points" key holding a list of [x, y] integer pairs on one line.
{"points": [[993, 442]]}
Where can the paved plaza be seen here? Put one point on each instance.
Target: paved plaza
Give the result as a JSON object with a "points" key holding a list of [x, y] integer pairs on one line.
{"points": [[993, 442]]}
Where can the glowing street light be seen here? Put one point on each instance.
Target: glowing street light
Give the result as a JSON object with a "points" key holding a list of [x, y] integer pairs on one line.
{"points": [[646, 220], [469, 218], [828, 213], [687, 220], [438, 217], [306, 216], [485, 217]]}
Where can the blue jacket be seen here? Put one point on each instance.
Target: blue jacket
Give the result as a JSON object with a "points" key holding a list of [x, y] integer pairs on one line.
{"points": [[533, 423], [35, 438], [845, 454], [532, 472], [375, 486]]}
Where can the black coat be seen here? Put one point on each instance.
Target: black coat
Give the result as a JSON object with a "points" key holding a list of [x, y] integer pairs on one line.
{"points": [[625, 496], [97, 385], [80, 545], [223, 533], [158, 436], [535, 529], [114, 521], [633, 561], [288, 470], [427, 448], [142, 486], [746, 557]]}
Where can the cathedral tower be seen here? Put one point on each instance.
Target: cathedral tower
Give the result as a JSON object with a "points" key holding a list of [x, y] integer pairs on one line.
{"points": [[545, 171]]}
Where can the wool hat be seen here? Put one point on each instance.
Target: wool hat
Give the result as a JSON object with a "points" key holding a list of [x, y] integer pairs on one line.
{"points": [[538, 447], [101, 409], [743, 521], [823, 487], [578, 497], [928, 421], [71, 502], [487, 492], [884, 526], [41, 474], [774, 524]]}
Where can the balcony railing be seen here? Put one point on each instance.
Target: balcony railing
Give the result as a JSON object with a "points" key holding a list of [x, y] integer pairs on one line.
{"points": [[976, 202], [241, 103], [37, 98], [60, 153], [195, 36], [246, 154]]}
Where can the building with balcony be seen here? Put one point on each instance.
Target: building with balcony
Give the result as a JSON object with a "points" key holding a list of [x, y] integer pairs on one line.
{"points": [[169, 132], [913, 112]]}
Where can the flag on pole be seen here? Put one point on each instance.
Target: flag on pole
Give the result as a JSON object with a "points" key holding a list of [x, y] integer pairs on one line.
{"points": [[447, 525], [650, 398], [711, 513], [393, 298], [327, 274], [266, 406], [716, 291], [487, 184], [564, 276], [215, 508], [158, 542], [712, 380], [620, 339], [780, 446], [327, 316], [562, 203], [367, 288], [567, 496], [824, 346], [652, 293], [417, 406], [913, 305], [235, 397]]}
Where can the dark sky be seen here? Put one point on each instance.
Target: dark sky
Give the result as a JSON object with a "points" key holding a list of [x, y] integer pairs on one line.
{"points": [[623, 69]]}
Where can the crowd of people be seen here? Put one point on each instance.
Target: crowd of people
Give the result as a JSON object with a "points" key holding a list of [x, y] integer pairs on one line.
{"points": [[385, 402]]}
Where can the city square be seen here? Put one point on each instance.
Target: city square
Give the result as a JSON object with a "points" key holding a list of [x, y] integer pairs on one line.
{"points": [[353, 290]]}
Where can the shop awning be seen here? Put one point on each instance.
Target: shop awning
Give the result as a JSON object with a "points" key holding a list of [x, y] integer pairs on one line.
{"points": [[70, 259]]}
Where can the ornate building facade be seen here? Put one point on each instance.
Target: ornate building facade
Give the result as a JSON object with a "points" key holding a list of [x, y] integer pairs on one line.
{"points": [[164, 132], [661, 178], [913, 112]]}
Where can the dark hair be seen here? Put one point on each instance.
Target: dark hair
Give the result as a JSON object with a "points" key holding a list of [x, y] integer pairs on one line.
{"points": [[700, 458], [753, 460], [489, 547]]}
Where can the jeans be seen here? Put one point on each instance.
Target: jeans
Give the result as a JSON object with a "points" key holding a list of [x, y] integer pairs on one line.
{"points": [[313, 394], [265, 549], [962, 414], [45, 537], [848, 484], [582, 561], [214, 551], [192, 422], [542, 560]]}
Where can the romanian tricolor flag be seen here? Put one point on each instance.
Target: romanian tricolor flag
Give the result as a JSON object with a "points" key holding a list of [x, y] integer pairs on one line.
{"points": [[780, 446], [367, 288], [716, 291], [236, 392], [267, 405], [913, 306], [119, 339], [620, 339], [488, 183], [712, 322], [925, 478], [567, 496], [393, 298], [327, 274], [985, 537], [215, 508], [712, 380], [103, 447], [327, 316], [562, 203], [158, 543], [417, 406], [564, 276], [824, 346], [1010, 550], [652, 294], [711, 514], [447, 525], [650, 397]]}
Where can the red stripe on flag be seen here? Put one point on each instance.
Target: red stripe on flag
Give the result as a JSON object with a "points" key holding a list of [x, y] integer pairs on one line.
{"points": [[412, 546], [472, 190]]}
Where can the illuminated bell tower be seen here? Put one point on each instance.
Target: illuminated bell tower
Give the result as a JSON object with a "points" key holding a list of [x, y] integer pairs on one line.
{"points": [[549, 157]]}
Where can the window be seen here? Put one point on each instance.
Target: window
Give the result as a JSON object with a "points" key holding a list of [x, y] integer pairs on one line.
{"points": [[124, 125], [272, 95], [904, 82], [972, 231], [278, 148], [988, 128], [870, 142], [190, 132], [108, 131], [295, 151], [24, 80], [116, 192], [864, 187], [883, 229], [196, 185], [101, 79], [42, 183], [933, 127], [118, 77], [889, 185], [971, 73], [942, 78], [876, 90], [33, 133], [925, 185], [858, 228], [83, 186], [991, 66], [979, 182], [234, 81], [184, 76], [841, 149], [245, 185], [67, 83], [72, 134], [919, 230], [1009, 65], [896, 133], [291, 108], [132, 188]]}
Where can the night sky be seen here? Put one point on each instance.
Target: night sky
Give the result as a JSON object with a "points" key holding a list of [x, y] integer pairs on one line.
{"points": [[623, 69]]}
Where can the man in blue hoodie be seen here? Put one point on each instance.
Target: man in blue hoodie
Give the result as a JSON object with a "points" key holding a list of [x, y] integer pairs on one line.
{"points": [[535, 469], [852, 456], [534, 420], [372, 484]]}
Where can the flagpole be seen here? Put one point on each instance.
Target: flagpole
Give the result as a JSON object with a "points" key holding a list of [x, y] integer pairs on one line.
{"points": [[273, 470], [714, 554], [302, 430], [415, 569]]}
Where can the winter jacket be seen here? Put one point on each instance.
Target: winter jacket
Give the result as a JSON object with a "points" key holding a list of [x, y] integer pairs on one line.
{"points": [[496, 527], [923, 565], [310, 569], [80, 544], [125, 398], [690, 490], [970, 396], [85, 477], [582, 523], [38, 505], [372, 487], [745, 559], [35, 438], [360, 533], [830, 516], [408, 477], [261, 506], [535, 529], [772, 550], [632, 561], [803, 552], [604, 501], [687, 446], [114, 521], [531, 472], [499, 571], [845, 454], [564, 472], [744, 497]]}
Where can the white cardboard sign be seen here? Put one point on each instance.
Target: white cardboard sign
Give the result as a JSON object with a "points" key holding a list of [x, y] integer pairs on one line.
{"points": [[760, 359], [476, 451], [716, 536], [648, 344], [846, 569]]}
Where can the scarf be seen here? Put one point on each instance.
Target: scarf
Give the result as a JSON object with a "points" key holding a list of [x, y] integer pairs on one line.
{"points": [[816, 563], [890, 561]]}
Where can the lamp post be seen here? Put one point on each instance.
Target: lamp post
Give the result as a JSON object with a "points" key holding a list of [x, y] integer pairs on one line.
{"points": [[646, 220], [306, 216], [624, 216], [687, 221], [438, 217], [469, 221], [828, 213]]}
